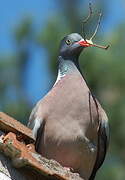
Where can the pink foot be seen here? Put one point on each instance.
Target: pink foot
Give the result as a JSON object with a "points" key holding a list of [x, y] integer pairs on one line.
{"points": [[69, 169]]}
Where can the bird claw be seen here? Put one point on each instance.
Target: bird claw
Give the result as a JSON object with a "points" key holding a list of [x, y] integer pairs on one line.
{"points": [[69, 169]]}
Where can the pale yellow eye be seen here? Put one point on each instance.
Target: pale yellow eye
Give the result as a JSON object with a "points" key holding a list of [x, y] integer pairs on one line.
{"points": [[68, 42]]}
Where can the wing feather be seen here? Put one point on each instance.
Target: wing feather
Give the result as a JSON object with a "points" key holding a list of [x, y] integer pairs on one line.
{"points": [[103, 139]]}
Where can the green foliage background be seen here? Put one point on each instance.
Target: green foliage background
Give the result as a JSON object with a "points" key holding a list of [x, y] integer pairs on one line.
{"points": [[104, 71]]}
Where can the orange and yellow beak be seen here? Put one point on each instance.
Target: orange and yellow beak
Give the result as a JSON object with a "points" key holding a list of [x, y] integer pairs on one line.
{"points": [[89, 43]]}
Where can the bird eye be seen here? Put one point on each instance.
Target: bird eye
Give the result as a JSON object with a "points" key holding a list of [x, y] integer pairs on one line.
{"points": [[68, 42]]}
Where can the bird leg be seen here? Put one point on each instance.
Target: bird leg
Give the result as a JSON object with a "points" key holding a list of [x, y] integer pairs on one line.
{"points": [[69, 169]]}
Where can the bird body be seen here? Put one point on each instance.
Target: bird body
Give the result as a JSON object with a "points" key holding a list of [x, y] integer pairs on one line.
{"points": [[69, 121]]}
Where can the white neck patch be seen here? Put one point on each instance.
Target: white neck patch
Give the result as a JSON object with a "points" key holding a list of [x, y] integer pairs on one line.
{"points": [[59, 77]]}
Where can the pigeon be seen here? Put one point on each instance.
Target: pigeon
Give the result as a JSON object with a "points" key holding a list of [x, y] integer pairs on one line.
{"points": [[68, 123]]}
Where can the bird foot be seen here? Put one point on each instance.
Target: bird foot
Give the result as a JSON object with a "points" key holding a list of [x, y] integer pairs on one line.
{"points": [[69, 169]]}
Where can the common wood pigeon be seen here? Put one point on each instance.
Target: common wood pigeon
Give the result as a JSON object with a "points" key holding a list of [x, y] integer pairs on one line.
{"points": [[69, 124]]}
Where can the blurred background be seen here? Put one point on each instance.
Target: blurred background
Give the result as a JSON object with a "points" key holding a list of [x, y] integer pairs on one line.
{"points": [[30, 32]]}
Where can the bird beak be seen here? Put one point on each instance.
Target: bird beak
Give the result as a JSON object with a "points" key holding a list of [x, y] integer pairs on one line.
{"points": [[89, 43]]}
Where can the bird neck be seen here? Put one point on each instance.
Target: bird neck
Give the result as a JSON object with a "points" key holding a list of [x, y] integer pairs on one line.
{"points": [[66, 67]]}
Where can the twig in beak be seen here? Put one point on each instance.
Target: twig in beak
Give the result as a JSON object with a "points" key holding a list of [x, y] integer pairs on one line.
{"points": [[99, 20], [86, 19], [99, 46], [90, 13]]}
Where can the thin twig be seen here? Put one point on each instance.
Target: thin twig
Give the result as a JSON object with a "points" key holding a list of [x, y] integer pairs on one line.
{"points": [[86, 19], [97, 27], [102, 47], [90, 13]]}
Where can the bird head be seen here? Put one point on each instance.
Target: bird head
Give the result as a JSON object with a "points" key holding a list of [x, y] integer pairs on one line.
{"points": [[69, 47], [72, 45]]}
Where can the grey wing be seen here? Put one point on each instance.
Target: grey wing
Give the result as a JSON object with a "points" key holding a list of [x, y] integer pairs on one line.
{"points": [[35, 123], [103, 141]]}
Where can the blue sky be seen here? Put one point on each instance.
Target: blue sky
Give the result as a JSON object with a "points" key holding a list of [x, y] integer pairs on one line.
{"points": [[11, 12]]}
